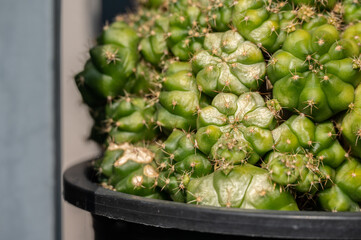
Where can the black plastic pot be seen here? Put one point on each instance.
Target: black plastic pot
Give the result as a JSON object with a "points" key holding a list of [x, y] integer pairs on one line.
{"points": [[116, 214]]}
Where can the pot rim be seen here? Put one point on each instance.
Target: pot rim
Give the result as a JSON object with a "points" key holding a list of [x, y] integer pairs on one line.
{"points": [[82, 192]]}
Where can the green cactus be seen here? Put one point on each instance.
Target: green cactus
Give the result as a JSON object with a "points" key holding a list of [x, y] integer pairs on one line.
{"points": [[241, 145], [353, 32], [130, 169], [321, 4], [179, 98], [176, 78], [235, 130], [352, 10], [267, 23], [295, 170], [130, 120], [300, 135], [335, 200], [153, 45], [245, 186], [187, 28], [315, 72], [345, 194], [151, 3], [112, 62], [304, 154], [99, 132], [228, 63], [219, 14], [351, 124], [183, 163], [348, 178], [248, 109], [145, 80]]}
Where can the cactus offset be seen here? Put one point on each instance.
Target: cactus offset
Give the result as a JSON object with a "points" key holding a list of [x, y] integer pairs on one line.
{"points": [[228, 63], [130, 169], [351, 124], [179, 98], [182, 163], [314, 72], [352, 10], [130, 120]]}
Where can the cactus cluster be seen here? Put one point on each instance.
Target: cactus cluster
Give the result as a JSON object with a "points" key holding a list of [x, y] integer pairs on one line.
{"points": [[251, 104]]}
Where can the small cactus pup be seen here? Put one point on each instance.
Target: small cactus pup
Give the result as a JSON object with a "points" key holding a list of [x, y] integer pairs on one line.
{"points": [[179, 99], [315, 72], [351, 125], [335, 200], [235, 130], [153, 44], [248, 109], [182, 162], [130, 169], [219, 14], [130, 119], [352, 10], [353, 32], [298, 171], [300, 135], [112, 61], [245, 186], [345, 193], [265, 23], [303, 154], [187, 28], [228, 63]]}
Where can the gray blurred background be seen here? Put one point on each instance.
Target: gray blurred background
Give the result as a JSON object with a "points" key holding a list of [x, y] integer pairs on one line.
{"points": [[44, 125]]}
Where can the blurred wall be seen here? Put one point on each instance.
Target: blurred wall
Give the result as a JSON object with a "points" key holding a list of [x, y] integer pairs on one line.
{"points": [[80, 24], [28, 131]]}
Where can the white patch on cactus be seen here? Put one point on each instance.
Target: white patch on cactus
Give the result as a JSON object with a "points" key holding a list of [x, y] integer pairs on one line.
{"points": [[149, 171], [136, 154], [137, 181]]}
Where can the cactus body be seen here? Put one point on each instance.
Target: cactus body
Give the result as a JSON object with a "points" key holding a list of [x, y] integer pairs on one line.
{"points": [[353, 32], [130, 169], [266, 23], [179, 99], [228, 63], [314, 73], [130, 120], [112, 61], [244, 186], [351, 125], [352, 10], [345, 194], [303, 154], [153, 45], [187, 27], [183, 162], [235, 130]]}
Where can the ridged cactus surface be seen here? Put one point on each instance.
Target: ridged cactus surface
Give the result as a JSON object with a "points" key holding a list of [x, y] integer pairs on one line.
{"points": [[351, 124], [315, 72], [252, 104]]}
